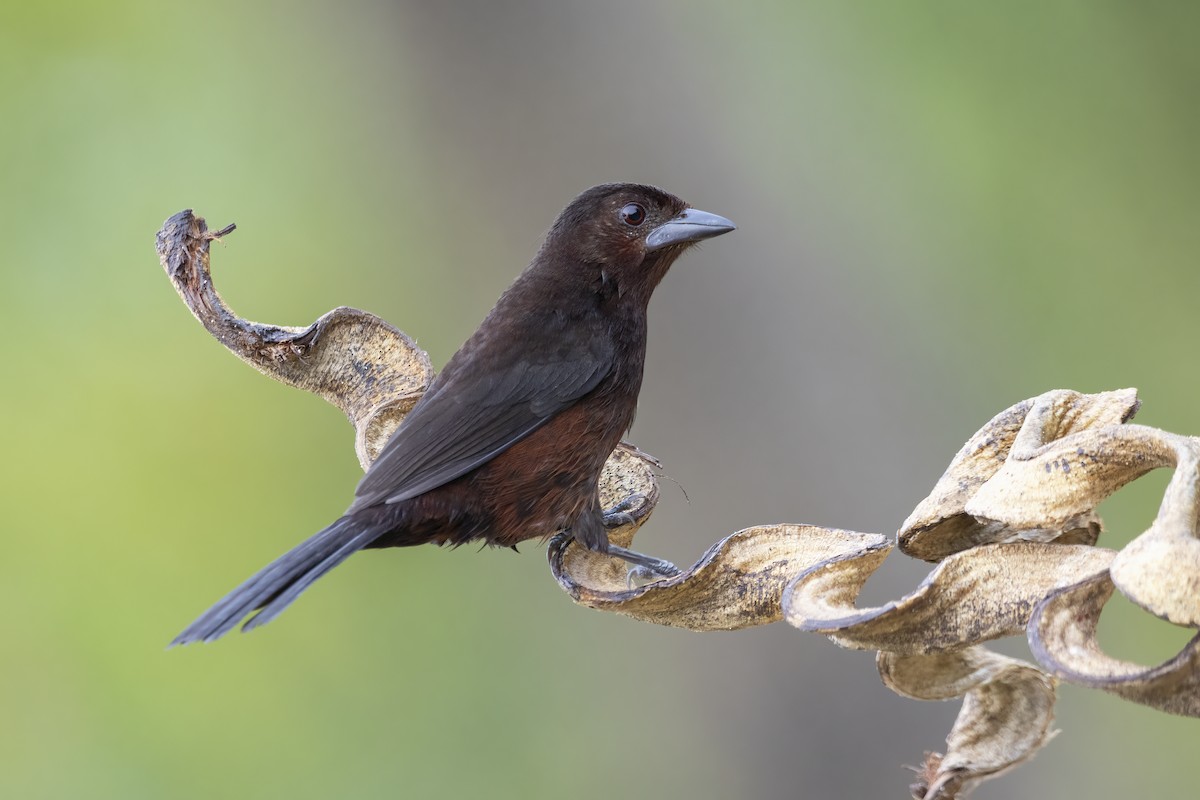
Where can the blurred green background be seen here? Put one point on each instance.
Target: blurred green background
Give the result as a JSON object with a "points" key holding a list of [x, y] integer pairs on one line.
{"points": [[943, 209]]}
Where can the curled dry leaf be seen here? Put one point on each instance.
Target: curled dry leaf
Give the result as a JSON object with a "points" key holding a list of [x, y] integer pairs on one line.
{"points": [[1062, 635], [1012, 523], [971, 597], [1160, 570], [1007, 711], [1067, 455], [943, 524], [736, 584]]}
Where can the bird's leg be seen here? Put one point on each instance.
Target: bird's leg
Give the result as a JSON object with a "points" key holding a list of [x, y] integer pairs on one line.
{"points": [[645, 567]]}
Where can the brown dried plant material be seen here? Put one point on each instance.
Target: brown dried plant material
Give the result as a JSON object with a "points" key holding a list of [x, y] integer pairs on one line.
{"points": [[354, 360], [1012, 524], [736, 584], [970, 597], [1062, 636], [1007, 711], [943, 524], [930, 783], [1160, 570]]}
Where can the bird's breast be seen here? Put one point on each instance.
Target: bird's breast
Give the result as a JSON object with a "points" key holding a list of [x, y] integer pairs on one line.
{"points": [[543, 483]]}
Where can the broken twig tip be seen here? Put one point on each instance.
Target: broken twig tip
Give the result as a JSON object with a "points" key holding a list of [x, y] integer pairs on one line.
{"points": [[216, 235]]}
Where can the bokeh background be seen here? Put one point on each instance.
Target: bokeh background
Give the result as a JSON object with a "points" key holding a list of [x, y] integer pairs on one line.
{"points": [[943, 209]]}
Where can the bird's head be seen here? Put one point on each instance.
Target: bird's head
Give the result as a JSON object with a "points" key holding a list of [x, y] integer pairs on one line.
{"points": [[630, 233]]}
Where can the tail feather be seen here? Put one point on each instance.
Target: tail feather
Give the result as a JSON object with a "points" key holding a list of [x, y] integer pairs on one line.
{"points": [[277, 585]]}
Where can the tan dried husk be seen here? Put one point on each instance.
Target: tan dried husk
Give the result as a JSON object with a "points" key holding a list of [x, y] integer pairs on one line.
{"points": [[1008, 706], [1012, 526]]}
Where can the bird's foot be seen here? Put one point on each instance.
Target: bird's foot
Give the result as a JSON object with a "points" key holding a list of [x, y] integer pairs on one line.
{"points": [[639, 576], [644, 567], [620, 514]]}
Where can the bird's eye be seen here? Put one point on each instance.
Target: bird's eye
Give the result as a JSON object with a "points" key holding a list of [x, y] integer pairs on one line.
{"points": [[633, 214]]}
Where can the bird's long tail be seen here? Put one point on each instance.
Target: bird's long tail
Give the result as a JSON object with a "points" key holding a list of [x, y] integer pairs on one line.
{"points": [[273, 588]]}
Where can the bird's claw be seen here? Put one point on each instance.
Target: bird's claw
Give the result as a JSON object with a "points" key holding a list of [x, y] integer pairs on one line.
{"points": [[644, 566], [620, 514], [659, 568], [646, 575]]}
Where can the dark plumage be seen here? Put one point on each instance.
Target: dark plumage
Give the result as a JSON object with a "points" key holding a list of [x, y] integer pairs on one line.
{"points": [[508, 442]]}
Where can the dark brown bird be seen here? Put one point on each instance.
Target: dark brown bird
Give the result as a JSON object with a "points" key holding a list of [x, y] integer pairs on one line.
{"points": [[509, 441]]}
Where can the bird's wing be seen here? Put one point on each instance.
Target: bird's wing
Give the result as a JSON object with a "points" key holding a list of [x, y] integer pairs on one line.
{"points": [[469, 416]]}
